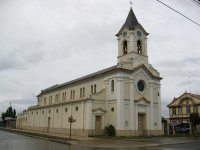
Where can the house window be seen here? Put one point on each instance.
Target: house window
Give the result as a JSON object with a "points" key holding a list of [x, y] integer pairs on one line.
{"points": [[180, 110], [188, 109], [125, 47], [66, 109], [173, 111], [112, 86], [139, 47], [195, 109], [57, 110]]}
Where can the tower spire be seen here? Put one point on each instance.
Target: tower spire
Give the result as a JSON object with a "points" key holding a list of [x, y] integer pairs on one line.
{"points": [[131, 21]]}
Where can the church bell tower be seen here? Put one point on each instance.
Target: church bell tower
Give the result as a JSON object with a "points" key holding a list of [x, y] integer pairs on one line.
{"points": [[132, 43]]}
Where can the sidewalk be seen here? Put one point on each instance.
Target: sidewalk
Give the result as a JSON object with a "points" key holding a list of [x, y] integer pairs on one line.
{"points": [[106, 142], [150, 142]]}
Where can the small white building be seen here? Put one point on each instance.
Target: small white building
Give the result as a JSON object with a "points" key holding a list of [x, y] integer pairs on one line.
{"points": [[127, 95]]}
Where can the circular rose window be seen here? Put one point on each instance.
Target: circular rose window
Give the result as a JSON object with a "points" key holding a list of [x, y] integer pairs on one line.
{"points": [[141, 85]]}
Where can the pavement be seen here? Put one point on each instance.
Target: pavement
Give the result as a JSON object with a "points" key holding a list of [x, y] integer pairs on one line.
{"points": [[104, 142]]}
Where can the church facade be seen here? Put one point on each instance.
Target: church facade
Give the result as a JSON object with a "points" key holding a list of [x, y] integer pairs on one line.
{"points": [[126, 95]]}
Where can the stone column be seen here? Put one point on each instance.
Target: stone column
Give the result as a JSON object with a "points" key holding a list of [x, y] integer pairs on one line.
{"points": [[151, 111], [132, 106], [120, 103]]}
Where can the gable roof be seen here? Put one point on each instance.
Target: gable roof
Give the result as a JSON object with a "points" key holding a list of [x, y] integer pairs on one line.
{"points": [[87, 77], [147, 70], [98, 74], [186, 94]]}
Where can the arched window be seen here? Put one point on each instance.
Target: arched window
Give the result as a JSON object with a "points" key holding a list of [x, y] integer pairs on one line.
{"points": [[112, 86], [95, 88], [139, 46], [125, 48]]}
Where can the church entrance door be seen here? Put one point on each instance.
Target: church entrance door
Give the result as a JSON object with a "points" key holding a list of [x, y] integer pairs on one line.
{"points": [[49, 122], [141, 124], [98, 121]]}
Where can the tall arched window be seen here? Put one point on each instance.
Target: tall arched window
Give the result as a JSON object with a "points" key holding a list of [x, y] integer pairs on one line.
{"points": [[125, 48], [139, 46], [95, 88], [112, 86]]}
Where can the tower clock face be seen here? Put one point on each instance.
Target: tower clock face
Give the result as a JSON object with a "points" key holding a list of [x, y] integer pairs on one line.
{"points": [[124, 34], [139, 34], [141, 85]]}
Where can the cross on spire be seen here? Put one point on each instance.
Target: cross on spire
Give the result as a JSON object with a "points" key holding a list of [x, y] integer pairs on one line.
{"points": [[131, 3]]}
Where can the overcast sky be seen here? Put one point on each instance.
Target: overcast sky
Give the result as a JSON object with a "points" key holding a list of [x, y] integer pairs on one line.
{"points": [[47, 42]]}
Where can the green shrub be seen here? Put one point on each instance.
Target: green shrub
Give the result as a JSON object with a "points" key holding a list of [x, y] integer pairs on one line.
{"points": [[110, 130]]}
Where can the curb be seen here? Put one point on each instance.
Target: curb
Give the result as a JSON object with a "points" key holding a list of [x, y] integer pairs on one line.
{"points": [[40, 136], [66, 141]]}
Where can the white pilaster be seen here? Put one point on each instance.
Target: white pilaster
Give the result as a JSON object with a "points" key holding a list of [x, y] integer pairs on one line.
{"points": [[159, 110], [132, 42], [89, 114], [119, 49], [132, 106], [106, 83], [82, 115], [136, 116], [151, 115], [120, 103]]}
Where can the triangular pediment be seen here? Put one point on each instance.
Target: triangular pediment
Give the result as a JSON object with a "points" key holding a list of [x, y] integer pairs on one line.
{"points": [[98, 110], [142, 100], [150, 71]]}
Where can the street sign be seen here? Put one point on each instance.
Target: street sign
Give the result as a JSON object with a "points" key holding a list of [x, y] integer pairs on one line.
{"points": [[71, 120]]}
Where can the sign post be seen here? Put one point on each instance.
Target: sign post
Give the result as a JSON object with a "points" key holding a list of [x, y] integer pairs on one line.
{"points": [[70, 120]]}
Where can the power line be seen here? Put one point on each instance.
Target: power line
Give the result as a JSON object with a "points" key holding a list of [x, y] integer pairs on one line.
{"points": [[197, 2], [179, 13]]}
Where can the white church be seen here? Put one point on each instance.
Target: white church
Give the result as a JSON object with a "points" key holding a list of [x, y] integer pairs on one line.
{"points": [[127, 95]]}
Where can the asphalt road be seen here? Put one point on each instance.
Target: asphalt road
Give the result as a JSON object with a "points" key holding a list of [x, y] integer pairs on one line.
{"points": [[11, 141]]}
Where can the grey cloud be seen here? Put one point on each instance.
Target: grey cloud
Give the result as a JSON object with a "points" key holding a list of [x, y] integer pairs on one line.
{"points": [[42, 41], [180, 64]]}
